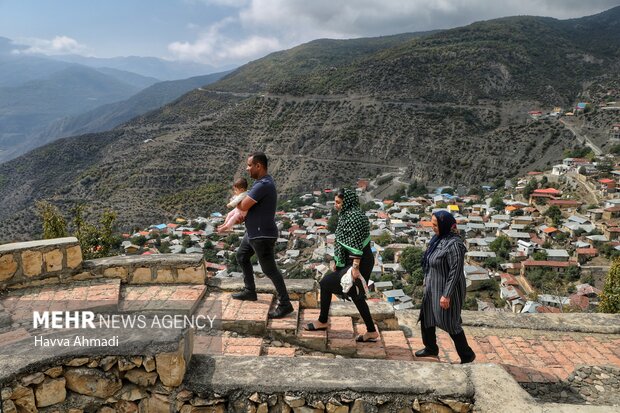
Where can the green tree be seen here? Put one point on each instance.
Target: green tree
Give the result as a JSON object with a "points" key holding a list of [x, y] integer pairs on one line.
{"points": [[501, 247], [540, 255], [140, 240], [107, 239], [384, 239], [555, 214], [530, 187], [492, 263], [187, 242], [388, 255], [367, 206], [610, 297], [54, 224], [497, 200], [411, 259], [417, 188], [332, 222]]}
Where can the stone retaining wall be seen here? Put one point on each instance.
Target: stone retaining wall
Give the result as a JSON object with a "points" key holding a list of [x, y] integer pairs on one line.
{"points": [[39, 262], [586, 385], [102, 384], [44, 262]]}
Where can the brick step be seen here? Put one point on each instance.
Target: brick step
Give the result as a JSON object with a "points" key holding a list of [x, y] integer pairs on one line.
{"points": [[369, 350], [246, 317], [168, 299], [302, 290], [85, 295], [382, 313], [341, 336], [315, 340], [230, 346], [397, 346], [285, 328]]}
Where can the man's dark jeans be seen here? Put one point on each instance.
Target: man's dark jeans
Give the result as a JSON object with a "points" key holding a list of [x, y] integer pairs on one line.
{"points": [[264, 250]]}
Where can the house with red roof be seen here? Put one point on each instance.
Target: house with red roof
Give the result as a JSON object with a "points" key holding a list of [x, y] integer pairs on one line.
{"points": [[584, 254], [567, 204]]}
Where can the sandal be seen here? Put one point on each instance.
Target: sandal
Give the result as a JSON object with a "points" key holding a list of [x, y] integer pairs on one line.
{"points": [[360, 339], [311, 327]]}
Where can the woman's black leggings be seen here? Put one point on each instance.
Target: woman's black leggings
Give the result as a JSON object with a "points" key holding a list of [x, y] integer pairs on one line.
{"points": [[330, 284]]}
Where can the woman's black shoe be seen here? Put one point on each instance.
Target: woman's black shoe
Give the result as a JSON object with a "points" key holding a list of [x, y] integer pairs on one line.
{"points": [[245, 295], [426, 353], [468, 359]]}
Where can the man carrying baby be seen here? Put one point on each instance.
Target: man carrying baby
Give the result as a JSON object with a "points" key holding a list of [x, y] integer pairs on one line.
{"points": [[261, 234]]}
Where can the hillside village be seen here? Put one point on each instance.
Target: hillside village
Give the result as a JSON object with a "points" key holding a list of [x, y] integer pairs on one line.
{"points": [[541, 243]]}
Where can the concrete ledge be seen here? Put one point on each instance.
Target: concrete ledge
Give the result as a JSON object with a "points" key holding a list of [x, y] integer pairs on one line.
{"points": [[149, 260], [576, 322], [150, 269], [382, 313], [302, 290], [263, 285], [44, 243], [496, 391], [223, 374], [22, 357], [32, 263]]}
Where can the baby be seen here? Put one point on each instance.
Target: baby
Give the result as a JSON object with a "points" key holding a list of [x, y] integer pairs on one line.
{"points": [[236, 216]]}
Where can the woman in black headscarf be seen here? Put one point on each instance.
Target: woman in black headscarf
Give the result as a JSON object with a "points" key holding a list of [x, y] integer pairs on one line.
{"points": [[444, 288], [351, 251]]}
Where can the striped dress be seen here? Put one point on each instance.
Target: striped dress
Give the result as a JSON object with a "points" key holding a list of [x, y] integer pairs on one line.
{"points": [[445, 277]]}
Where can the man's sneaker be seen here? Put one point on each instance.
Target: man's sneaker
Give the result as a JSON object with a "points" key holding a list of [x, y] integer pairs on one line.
{"points": [[281, 311], [426, 353], [245, 295]]}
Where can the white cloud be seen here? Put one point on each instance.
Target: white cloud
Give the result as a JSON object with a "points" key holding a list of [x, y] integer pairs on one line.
{"points": [[225, 3], [57, 45], [216, 48], [307, 19], [257, 27]]}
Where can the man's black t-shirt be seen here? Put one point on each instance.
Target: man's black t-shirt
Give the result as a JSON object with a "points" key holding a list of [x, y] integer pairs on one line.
{"points": [[260, 221]]}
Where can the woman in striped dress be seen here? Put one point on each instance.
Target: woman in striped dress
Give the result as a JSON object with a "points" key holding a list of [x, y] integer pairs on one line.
{"points": [[444, 288]]}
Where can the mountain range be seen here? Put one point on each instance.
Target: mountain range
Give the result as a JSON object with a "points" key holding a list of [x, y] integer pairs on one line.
{"points": [[42, 98], [449, 107]]}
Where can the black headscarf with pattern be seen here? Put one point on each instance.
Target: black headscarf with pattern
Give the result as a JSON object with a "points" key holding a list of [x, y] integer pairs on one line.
{"points": [[447, 225], [353, 230]]}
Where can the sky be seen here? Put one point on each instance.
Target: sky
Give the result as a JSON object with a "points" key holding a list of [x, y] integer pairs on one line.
{"points": [[226, 33]]}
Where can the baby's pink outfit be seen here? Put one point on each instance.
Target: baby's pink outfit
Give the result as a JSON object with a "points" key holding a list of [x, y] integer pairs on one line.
{"points": [[236, 216]]}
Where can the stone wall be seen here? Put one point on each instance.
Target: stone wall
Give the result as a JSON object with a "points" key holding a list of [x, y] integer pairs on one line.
{"points": [[102, 384], [154, 384], [39, 262], [35, 263], [149, 269]]}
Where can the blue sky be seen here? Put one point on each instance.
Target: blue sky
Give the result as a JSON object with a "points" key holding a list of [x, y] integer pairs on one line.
{"points": [[231, 32]]}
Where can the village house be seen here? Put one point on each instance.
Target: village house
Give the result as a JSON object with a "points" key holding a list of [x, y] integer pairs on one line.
{"points": [[475, 276], [514, 298], [565, 204], [557, 255], [553, 300], [474, 257], [514, 236], [611, 212], [583, 255], [557, 266]]}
